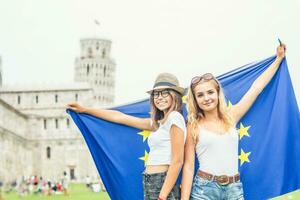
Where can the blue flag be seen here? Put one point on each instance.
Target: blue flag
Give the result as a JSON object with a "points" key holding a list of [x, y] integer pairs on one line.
{"points": [[269, 146]]}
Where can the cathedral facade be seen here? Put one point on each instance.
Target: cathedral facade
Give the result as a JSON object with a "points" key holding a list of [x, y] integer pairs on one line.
{"points": [[37, 136]]}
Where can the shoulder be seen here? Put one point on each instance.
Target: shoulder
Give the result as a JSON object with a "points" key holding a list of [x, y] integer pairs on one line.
{"points": [[176, 118], [176, 115]]}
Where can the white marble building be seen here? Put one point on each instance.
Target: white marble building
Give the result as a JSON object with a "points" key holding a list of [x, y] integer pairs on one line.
{"points": [[37, 137]]}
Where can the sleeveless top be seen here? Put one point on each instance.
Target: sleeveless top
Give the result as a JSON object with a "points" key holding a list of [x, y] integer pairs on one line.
{"points": [[218, 153]]}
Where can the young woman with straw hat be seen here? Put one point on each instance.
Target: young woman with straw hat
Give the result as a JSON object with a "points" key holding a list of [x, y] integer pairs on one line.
{"points": [[166, 141]]}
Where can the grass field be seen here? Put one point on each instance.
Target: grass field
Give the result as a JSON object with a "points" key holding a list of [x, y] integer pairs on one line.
{"points": [[80, 192], [289, 196], [77, 192]]}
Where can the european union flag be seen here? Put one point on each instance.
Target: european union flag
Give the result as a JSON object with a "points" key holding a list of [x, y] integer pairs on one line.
{"points": [[269, 139]]}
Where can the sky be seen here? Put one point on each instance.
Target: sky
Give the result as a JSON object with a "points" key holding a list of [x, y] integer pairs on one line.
{"points": [[40, 39]]}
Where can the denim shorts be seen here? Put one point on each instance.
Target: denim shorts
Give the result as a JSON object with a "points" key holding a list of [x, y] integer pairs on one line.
{"points": [[152, 184], [210, 190]]}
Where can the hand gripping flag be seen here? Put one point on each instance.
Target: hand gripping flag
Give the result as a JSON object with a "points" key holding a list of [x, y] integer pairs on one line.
{"points": [[269, 146]]}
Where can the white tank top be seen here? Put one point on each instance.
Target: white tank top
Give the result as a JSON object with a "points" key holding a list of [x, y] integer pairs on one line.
{"points": [[160, 141], [218, 153]]}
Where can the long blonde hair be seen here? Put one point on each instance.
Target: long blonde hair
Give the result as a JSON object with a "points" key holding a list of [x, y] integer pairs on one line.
{"points": [[157, 115], [196, 114]]}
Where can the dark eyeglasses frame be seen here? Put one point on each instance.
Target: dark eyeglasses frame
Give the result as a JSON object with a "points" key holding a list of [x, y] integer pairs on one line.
{"points": [[164, 93]]}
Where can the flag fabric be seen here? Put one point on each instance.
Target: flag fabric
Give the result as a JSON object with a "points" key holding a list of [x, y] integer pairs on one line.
{"points": [[269, 146]]}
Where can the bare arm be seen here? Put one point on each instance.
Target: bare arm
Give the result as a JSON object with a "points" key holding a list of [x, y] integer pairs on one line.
{"points": [[239, 110], [114, 116], [177, 145], [189, 166]]}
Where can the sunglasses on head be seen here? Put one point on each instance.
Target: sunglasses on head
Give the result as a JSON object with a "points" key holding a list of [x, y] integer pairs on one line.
{"points": [[206, 77]]}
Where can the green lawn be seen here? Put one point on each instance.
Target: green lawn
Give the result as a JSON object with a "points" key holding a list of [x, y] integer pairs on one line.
{"points": [[80, 192], [289, 196], [77, 192]]}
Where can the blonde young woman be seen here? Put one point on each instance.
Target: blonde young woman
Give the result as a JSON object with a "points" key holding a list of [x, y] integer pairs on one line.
{"points": [[166, 141], [212, 135]]}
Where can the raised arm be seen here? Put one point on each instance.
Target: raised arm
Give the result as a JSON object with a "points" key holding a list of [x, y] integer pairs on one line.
{"points": [[189, 165], [238, 110], [114, 116]]}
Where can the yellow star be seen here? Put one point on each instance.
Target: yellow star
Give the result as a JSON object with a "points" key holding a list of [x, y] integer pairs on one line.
{"points": [[145, 157], [243, 131], [229, 105], [184, 99], [244, 157], [145, 134]]}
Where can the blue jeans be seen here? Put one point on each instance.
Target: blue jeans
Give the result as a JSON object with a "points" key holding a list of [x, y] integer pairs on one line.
{"points": [[210, 190]]}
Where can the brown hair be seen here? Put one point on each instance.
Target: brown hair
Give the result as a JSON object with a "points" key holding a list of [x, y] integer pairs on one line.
{"points": [[157, 115]]}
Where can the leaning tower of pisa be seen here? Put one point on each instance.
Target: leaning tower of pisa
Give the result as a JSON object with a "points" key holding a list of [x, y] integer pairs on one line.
{"points": [[95, 66]]}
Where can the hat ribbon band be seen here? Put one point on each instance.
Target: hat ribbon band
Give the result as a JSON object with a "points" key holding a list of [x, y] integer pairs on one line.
{"points": [[164, 84]]}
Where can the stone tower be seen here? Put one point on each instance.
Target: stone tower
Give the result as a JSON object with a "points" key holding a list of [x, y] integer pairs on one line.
{"points": [[96, 67]]}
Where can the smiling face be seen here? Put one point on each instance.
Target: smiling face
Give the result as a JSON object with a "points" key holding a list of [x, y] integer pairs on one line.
{"points": [[206, 95], [162, 99]]}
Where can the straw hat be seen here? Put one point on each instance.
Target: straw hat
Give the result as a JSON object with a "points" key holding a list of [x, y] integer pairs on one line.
{"points": [[167, 81]]}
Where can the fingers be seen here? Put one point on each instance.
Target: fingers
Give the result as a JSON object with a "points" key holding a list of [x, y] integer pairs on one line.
{"points": [[72, 106], [281, 48], [75, 107]]}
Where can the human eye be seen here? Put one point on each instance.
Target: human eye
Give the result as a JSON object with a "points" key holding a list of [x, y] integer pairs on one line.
{"points": [[155, 94], [165, 92], [211, 92], [199, 95]]}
